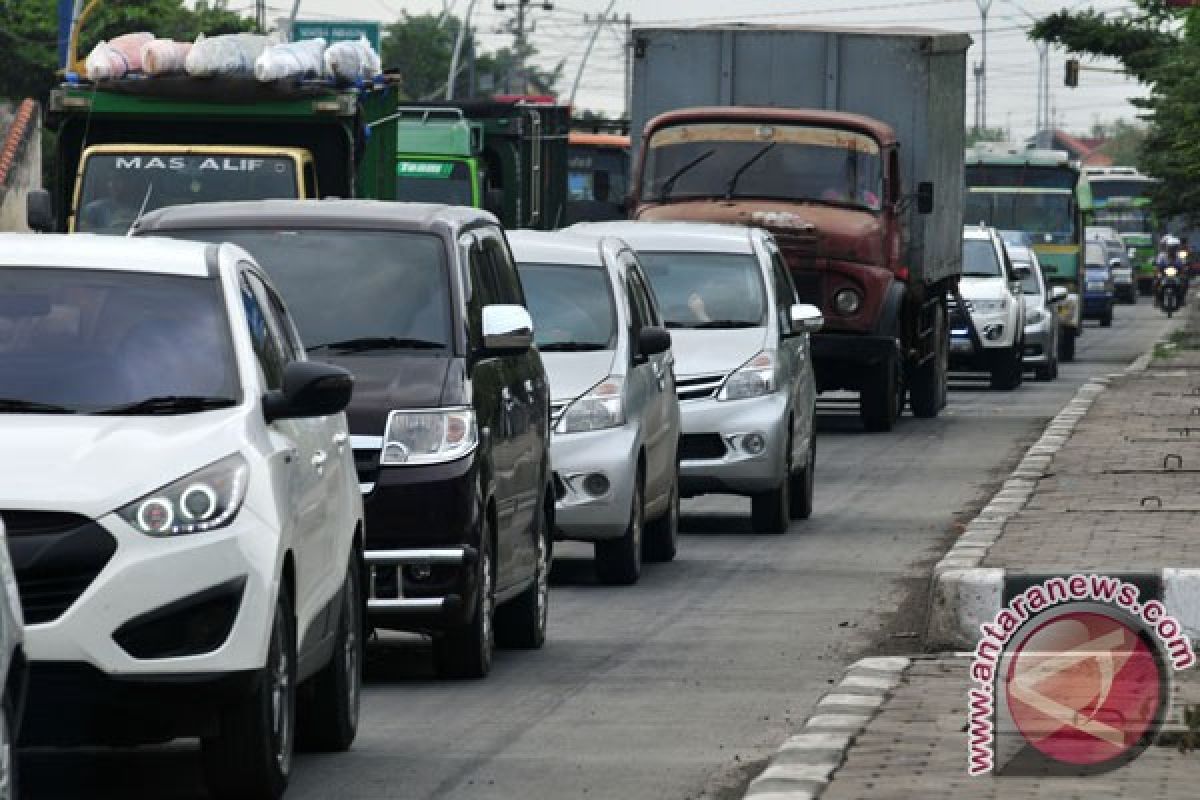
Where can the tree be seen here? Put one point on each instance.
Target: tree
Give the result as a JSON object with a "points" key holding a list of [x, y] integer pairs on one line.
{"points": [[987, 135], [29, 34], [1153, 47]]}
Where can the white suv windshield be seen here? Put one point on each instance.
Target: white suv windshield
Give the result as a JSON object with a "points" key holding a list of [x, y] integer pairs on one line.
{"points": [[571, 306], [707, 290], [91, 341], [979, 259]]}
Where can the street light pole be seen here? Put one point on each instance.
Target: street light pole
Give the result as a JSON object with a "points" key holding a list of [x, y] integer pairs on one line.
{"points": [[981, 71]]}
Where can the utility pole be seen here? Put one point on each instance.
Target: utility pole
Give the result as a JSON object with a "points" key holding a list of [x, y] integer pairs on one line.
{"points": [[981, 70], [618, 22], [517, 28], [260, 15]]}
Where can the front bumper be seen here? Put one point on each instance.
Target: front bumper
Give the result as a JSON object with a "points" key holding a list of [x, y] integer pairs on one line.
{"points": [[1039, 341], [714, 449], [585, 515], [963, 352], [842, 360], [423, 525]]}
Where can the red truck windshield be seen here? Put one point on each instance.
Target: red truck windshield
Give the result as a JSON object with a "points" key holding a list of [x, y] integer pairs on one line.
{"points": [[759, 160]]}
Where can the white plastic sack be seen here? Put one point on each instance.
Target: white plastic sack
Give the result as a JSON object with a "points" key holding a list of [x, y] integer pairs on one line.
{"points": [[116, 57], [228, 54], [302, 59], [352, 61], [164, 57]]}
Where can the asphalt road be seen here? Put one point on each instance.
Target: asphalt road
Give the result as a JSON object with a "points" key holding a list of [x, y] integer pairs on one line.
{"points": [[680, 686]]}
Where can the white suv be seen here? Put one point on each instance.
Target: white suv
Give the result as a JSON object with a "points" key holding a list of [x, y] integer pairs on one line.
{"points": [[181, 506], [990, 336]]}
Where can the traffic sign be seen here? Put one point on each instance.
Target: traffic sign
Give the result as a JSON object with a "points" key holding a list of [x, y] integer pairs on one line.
{"points": [[346, 30]]}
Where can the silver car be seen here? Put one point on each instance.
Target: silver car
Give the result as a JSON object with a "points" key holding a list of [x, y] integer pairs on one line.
{"points": [[615, 419], [743, 363], [1041, 320]]}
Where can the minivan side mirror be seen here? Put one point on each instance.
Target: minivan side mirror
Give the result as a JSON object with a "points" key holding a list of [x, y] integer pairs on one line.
{"points": [[1058, 294], [805, 318], [1021, 272], [507, 329], [653, 340], [925, 197], [39, 211], [310, 389]]}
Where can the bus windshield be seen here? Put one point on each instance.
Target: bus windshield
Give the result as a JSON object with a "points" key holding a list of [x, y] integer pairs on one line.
{"points": [[446, 182], [116, 187], [1036, 213], [1126, 220]]}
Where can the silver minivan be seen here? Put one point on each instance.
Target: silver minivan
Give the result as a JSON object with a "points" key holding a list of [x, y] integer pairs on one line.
{"points": [[743, 362], [614, 415]]}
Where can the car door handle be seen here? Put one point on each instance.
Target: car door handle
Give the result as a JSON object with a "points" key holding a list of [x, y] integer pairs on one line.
{"points": [[318, 460], [340, 440]]}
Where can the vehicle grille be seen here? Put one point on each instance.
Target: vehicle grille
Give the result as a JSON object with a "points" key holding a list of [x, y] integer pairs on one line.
{"points": [[694, 446], [56, 556], [698, 387]]}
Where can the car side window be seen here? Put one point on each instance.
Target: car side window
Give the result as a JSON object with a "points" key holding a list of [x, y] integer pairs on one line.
{"points": [[480, 272], [288, 336], [641, 297], [504, 271], [785, 289], [268, 350]]}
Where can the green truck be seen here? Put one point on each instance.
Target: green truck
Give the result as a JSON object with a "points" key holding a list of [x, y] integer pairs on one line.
{"points": [[128, 146], [1121, 196], [509, 157]]}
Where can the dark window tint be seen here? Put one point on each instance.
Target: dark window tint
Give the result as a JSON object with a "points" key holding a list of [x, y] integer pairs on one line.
{"points": [[93, 340], [506, 281], [571, 306], [1017, 176], [264, 336], [979, 259], [1031, 212], [707, 290], [350, 288], [446, 182], [640, 295]]}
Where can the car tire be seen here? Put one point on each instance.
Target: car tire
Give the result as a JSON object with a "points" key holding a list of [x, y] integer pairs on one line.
{"points": [[521, 622], [770, 512], [801, 505], [464, 652], [882, 399], [251, 755], [328, 702], [1047, 372], [1066, 345], [928, 392], [1008, 371], [619, 561], [662, 535], [1107, 318]]}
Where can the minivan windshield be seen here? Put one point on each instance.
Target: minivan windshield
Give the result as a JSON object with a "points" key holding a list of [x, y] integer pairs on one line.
{"points": [[571, 306], [76, 341], [707, 290], [979, 259], [356, 291]]}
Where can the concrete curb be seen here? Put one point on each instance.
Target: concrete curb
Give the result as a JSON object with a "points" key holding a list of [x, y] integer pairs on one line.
{"points": [[804, 765]]}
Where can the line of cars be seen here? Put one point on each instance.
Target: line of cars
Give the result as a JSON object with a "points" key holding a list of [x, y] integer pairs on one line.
{"points": [[202, 540]]}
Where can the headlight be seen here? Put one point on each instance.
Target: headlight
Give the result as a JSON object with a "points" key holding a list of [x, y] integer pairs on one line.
{"points": [[1035, 316], [602, 407], [990, 306], [847, 301], [205, 500], [1183, 254], [428, 436], [753, 379], [1170, 272], [1132, 253]]}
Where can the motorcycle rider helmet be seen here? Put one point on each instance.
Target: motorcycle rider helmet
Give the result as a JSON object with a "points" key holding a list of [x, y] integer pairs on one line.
{"points": [[1170, 241]]}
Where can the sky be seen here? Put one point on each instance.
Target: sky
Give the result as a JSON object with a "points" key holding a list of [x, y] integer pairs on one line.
{"points": [[561, 35]]}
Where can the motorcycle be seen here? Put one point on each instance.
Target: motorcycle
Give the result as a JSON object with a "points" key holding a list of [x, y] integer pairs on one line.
{"points": [[1170, 291]]}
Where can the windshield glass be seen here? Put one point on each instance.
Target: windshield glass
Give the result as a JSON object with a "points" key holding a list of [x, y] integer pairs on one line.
{"points": [[1103, 189], [1126, 220], [788, 162], [1021, 175], [979, 259], [707, 290], [571, 306], [116, 187], [83, 341], [353, 287], [446, 182], [1096, 257], [1032, 213]]}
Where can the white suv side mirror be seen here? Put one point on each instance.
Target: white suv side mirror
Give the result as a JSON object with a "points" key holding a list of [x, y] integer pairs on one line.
{"points": [[1057, 294], [507, 329], [805, 318]]}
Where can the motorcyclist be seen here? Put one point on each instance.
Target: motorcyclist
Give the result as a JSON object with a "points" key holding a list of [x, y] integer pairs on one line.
{"points": [[1169, 256]]}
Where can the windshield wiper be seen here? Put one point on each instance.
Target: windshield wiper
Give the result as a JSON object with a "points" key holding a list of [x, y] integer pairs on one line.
{"points": [[572, 347], [750, 162], [12, 405], [981, 275], [171, 404], [364, 343], [714, 324], [669, 183]]}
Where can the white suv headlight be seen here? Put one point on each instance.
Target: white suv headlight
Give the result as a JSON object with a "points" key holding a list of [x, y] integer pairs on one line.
{"points": [[990, 306], [207, 499], [602, 407], [755, 378], [428, 436]]}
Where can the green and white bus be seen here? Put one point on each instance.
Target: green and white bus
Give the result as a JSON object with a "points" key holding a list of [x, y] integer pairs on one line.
{"points": [[1121, 197], [1046, 195]]}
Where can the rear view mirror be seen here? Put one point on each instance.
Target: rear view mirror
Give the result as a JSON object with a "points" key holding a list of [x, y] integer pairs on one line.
{"points": [[310, 389], [1058, 294], [653, 340], [805, 318], [925, 197], [506, 329], [39, 211]]}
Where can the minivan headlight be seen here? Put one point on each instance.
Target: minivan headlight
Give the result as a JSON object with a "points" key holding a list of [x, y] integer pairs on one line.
{"points": [[428, 436], [755, 378], [205, 500], [603, 406]]}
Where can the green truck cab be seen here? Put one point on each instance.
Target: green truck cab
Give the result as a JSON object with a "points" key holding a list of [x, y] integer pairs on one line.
{"points": [[1121, 196], [129, 146], [507, 157]]}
